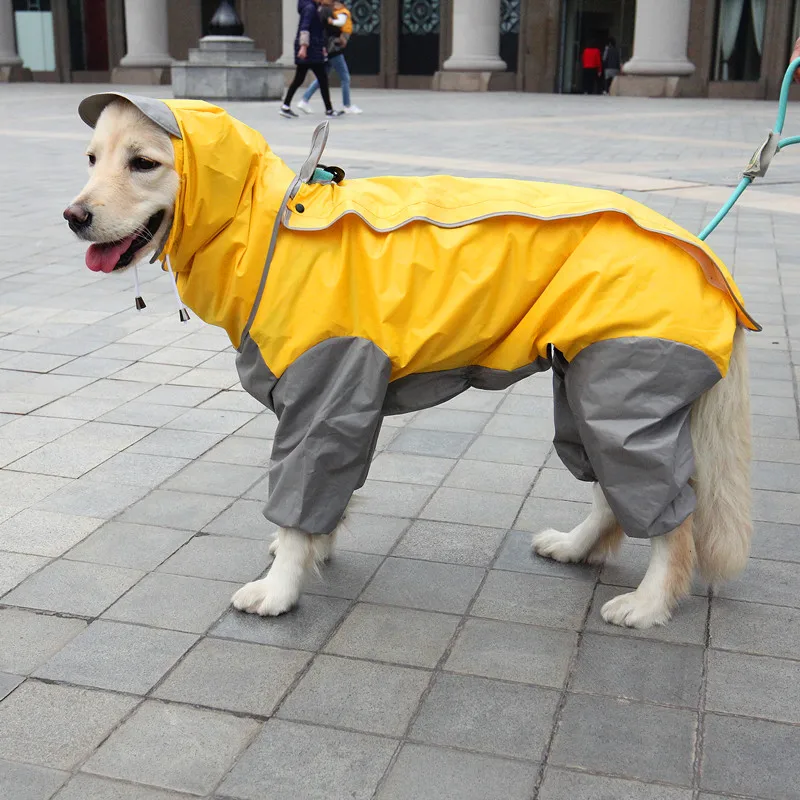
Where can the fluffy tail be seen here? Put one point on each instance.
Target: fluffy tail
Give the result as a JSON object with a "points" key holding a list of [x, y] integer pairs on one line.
{"points": [[722, 449]]}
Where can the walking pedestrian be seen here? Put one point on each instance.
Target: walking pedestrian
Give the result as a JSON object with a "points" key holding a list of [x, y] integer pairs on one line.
{"points": [[592, 62], [611, 64], [309, 54], [340, 26]]}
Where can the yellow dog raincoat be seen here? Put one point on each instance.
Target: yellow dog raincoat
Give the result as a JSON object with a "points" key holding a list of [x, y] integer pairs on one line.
{"points": [[349, 301]]}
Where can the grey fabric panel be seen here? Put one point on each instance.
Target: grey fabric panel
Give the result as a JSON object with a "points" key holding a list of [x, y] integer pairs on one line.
{"points": [[256, 377], [631, 399], [328, 404], [426, 389], [158, 111], [567, 438]]}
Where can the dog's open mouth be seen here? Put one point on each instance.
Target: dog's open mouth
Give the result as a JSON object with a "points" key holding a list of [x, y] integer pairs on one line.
{"points": [[108, 256]]}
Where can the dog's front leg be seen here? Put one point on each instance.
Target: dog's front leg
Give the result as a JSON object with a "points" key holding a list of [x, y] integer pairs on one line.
{"points": [[667, 580], [280, 589]]}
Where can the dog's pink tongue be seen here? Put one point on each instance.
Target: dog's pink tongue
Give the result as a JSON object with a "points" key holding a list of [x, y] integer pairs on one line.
{"points": [[104, 257]]}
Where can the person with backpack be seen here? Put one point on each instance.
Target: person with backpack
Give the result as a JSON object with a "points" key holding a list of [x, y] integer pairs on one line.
{"points": [[339, 24], [309, 54], [612, 64]]}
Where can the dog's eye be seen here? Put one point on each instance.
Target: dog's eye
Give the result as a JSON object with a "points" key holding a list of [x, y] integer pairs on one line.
{"points": [[92, 158], [141, 164]]}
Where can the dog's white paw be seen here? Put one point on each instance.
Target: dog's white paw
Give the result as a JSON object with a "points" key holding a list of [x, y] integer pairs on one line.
{"points": [[635, 610], [273, 548], [267, 598], [557, 545]]}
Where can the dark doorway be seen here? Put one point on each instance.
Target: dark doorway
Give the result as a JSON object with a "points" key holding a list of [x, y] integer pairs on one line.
{"points": [[364, 49], [418, 41], [510, 17], [88, 35]]}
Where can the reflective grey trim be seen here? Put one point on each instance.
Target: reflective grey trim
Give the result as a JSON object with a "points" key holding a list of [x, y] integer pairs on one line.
{"points": [[255, 376], [631, 400], [426, 389], [158, 111], [276, 227], [328, 404]]}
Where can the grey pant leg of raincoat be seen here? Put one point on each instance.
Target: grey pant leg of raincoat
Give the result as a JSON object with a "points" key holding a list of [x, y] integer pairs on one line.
{"points": [[623, 415]]}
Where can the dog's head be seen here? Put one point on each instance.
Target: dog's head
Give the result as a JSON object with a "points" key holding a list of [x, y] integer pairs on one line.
{"points": [[126, 208]]}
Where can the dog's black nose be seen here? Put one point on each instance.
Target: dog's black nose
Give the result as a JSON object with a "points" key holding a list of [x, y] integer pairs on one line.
{"points": [[78, 217]]}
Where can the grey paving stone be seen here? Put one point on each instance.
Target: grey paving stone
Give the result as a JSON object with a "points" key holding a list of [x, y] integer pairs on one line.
{"points": [[39, 429], [118, 657], [636, 669], [439, 774], [262, 427], [520, 427], [513, 652], [397, 635], [370, 533], [345, 575], [89, 787], [492, 477], [238, 401], [450, 542], [28, 639], [539, 513], [15, 567], [425, 585], [241, 450], [524, 452], [73, 587], [753, 686], [64, 459], [444, 444], [782, 450], [446, 419], [122, 544], [26, 782], [138, 469], [177, 444], [177, 395], [528, 405], [407, 468], [489, 716], [245, 519], [137, 412], [558, 484], [151, 747], [775, 506], [233, 676], [517, 555], [755, 628], [628, 566], [181, 510], [220, 558], [390, 499], [209, 478], [88, 497], [750, 756], [631, 740], [491, 509], [775, 427], [777, 542], [533, 599], [8, 683], [44, 533], [310, 763], [562, 785], [57, 726], [360, 695], [305, 627], [687, 626], [764, 581], [26, 489], [211, 420], [175, 602]]}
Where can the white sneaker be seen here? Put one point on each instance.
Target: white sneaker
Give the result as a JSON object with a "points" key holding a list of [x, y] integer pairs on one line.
{"points": [[305, 106], [352, 110]]}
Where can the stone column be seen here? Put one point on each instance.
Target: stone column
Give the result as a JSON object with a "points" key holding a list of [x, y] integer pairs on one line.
{"points": [[147, 59], [290, 21], [476, 47], [10, 63], [660, 41]]}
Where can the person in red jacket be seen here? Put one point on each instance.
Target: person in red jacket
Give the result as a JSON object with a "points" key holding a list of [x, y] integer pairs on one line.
{"points": [[592, 62]]}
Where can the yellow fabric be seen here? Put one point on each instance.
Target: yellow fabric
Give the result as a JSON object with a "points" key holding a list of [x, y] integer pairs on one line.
{"points": [[347, 28], [540, 264]]}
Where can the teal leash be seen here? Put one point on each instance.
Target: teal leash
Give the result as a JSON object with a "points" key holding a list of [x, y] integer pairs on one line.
{"points": [[759, 163]]}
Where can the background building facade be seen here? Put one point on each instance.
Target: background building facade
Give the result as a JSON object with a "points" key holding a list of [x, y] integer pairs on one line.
{"points": [[739, 48]]}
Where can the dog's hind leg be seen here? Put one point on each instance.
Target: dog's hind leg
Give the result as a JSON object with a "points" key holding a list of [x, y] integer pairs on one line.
{"points": [[280, 589], [597, 536], [666, 582], [323, 545]]}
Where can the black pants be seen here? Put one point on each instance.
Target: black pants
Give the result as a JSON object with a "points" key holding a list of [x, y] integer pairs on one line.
{"points": [[591, 81], [321, 75]]}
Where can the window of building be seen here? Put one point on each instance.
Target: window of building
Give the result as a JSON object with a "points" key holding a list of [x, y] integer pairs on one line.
{"points": [[33, 20], [510, 18], [740, 39]]}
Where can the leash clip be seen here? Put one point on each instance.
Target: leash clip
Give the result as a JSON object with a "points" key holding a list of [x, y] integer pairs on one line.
{"points": [[760, 160]]}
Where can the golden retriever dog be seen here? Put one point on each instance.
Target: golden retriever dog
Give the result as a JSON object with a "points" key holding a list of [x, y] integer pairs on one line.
{"points": [[125, 212]]}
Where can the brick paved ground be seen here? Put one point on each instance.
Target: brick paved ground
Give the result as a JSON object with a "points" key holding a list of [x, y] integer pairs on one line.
{"points": [[437, 659]]}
